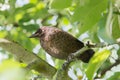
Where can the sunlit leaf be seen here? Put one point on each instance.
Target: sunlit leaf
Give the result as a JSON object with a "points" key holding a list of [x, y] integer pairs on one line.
{"points": [[96, 61], [8, 64], [3, 34], [33, 1], [65, 21], [89, 14], [40, 5], [18, 17], [60, 4], [11, 70], [39, 11]]}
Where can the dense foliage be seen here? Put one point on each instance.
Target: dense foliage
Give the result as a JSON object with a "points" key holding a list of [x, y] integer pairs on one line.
{"points": [[95, 20]]}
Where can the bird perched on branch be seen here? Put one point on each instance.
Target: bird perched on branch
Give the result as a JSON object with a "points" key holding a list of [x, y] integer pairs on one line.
{"points": [[60, 44]]}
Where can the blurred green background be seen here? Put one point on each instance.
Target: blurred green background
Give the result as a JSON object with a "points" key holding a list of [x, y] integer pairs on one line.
{"points": [[94, 20]]}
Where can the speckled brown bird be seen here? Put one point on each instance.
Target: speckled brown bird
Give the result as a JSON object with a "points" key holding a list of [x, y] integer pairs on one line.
{"points": [[60, 44]]}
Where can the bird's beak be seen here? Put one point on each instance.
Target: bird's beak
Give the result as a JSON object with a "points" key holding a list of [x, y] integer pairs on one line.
{"points": [[33, 36]]}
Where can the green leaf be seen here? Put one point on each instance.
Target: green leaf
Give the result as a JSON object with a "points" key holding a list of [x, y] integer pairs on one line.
{"points": [[2, 1], [96, 61], [4, 13], [26, 17], [116, 76], [95, 37], [3, 34], [60, 4], [21, 36], [118, 52], [12, 5], [9, 64], [11, 70], [116, 28], [24, 8], [33, 1], [30, 27], [40, 13], [89, 14], [102, 31], [93, 34], [27, 6]]}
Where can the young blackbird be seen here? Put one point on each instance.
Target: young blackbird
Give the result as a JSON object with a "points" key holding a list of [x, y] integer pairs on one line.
{"points": [[60, 44]]}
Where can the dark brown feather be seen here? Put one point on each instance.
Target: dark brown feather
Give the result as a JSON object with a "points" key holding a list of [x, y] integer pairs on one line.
{"points": [[60, 44]]}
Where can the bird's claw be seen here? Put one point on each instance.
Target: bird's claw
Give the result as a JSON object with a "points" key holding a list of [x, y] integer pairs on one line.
{"points": [[70, 59], [65, 65]]}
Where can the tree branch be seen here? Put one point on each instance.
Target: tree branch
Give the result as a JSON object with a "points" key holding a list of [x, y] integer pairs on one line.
{"points": [[32, 60]]}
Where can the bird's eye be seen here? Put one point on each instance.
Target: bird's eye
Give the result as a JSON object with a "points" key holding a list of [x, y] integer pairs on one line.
{"points": [[39, 31]]}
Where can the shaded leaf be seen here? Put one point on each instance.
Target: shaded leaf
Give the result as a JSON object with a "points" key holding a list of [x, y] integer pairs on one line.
{"points": [[40, 13], [93, 34], [116, 28], [12, 5], [4, 13], [118, 52], [30, 27], [2, 1], [26, 17], [102, 31], [24, 8], [96, 61], [116, 76]]}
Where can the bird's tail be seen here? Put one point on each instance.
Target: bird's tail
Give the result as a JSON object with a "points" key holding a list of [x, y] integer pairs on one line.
{"points": [[86, 56]]}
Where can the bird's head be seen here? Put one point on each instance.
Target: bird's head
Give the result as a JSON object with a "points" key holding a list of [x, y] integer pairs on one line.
{"points": [[37, 34]]}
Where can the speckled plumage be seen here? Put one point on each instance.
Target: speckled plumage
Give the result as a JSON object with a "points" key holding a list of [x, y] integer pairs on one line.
{"points": [[60, 44]]}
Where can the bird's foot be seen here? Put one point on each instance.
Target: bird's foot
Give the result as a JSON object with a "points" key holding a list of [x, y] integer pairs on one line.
{"points": [[65, 65], [70, 59]]}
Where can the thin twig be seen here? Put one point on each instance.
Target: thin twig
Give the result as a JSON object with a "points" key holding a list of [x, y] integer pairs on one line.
{"points": [[110, 67], [102, 73], [100, 45]]}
